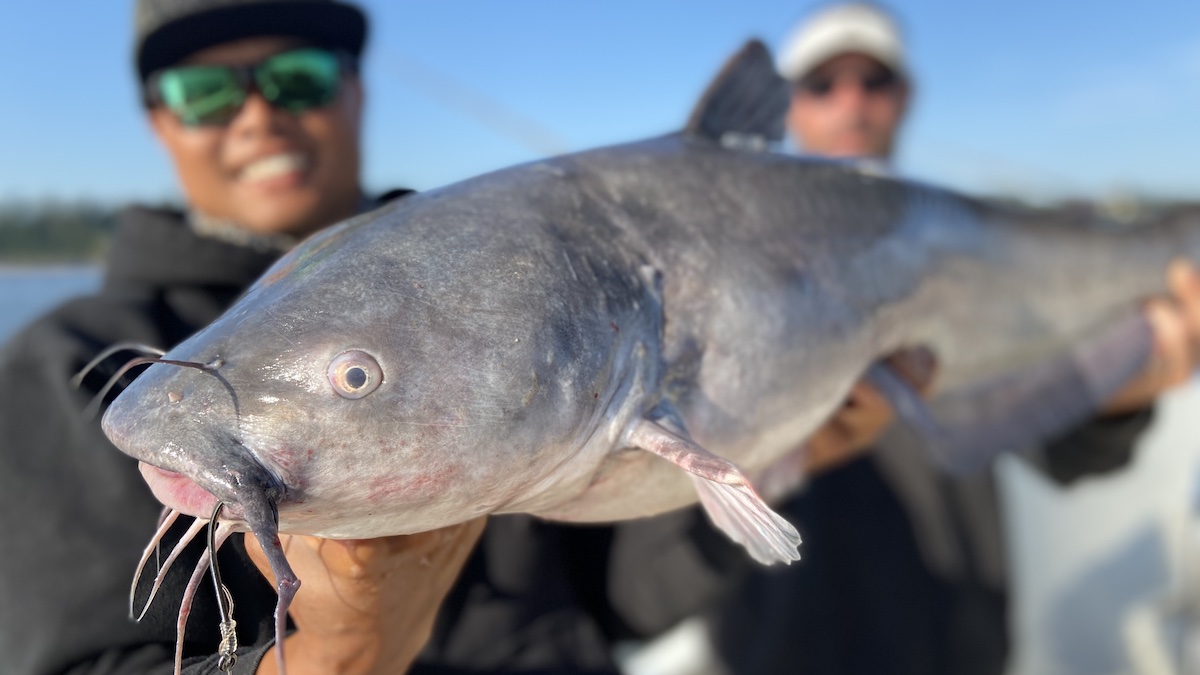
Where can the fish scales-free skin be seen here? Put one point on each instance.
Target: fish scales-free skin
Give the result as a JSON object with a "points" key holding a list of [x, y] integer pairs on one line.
{"points": [[617, 333], [537, 329], [519, 332]]}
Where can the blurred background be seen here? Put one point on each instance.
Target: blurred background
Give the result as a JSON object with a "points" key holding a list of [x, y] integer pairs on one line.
{"points": [[1031, 101]]}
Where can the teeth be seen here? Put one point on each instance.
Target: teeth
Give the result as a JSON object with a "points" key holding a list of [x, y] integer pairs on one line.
{"points": [[275, 165]]}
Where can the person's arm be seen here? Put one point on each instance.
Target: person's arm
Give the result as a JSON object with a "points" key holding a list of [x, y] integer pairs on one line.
{"points": [[1103, 445], [1107, 442], [1175, 319], [366, 606]]}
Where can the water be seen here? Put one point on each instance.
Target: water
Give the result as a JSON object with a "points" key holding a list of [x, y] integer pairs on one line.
{"points": [[28, 292]]}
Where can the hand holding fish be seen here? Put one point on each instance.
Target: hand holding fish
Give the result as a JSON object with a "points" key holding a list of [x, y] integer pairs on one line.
{"points": [[1176, 323], [865, 415], [848, 434], [1175, 320], [367, 605]]}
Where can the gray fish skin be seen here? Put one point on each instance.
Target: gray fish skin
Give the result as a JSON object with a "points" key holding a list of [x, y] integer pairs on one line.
{"points": [[525, 319]]}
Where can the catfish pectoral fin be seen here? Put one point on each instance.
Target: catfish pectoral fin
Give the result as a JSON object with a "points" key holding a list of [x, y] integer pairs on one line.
{"points": [[726, 494]]}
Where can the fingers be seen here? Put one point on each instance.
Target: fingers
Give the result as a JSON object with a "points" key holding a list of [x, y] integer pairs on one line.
{"points": [[864, 397], [850, 431], [1173, 356], [1175, 321], [364, 559], [917, 365], [830, 446], [1184, 282], [368, 605], [866, 414], [360, 557]]}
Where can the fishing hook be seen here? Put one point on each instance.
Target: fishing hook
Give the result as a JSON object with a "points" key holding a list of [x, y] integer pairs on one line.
{"points": [[228, 649]]}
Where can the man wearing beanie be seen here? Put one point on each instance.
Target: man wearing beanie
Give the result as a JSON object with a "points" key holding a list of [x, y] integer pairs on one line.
{"points": [[259, 104]]}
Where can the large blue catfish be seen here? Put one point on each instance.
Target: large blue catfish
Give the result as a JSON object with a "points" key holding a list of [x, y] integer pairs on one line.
{"points": [[612, 334]]}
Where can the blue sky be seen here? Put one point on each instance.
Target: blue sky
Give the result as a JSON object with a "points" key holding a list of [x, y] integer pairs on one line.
{"points": [[1035, 98]]}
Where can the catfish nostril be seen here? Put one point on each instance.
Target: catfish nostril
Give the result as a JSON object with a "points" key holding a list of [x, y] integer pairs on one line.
{"points": [[174, 397]]}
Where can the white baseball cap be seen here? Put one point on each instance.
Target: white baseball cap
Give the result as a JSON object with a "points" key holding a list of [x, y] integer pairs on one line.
{"points": [[843, 28]]}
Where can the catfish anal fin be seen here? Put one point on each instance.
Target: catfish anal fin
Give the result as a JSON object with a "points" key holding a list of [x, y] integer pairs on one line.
{"points": [[727, 496], [745, 105]]}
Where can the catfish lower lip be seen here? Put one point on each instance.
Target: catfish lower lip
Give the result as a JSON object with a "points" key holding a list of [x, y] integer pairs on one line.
{"points": [[178, 491]]}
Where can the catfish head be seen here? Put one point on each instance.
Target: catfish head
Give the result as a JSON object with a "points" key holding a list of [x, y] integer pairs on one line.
{"points": [[380, 380]]}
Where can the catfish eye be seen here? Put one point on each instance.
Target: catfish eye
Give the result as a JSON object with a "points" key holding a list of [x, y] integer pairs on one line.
{"points": [[354, 374]]}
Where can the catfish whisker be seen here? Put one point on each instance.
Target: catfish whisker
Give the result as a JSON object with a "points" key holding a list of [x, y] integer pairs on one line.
{"points": [[193, 529], [164, 514], [77, 381], [189, 593], [165, 522], [263, 520], [94, 407]]}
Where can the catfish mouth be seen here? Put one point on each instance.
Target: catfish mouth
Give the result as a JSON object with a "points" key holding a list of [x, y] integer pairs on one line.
{"points": [[178, 492], [190, 468], [245, 492], [201, 468], [228, 472]]}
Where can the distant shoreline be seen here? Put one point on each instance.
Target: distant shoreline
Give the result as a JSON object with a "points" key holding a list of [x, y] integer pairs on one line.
{"points": [[47, 267]]}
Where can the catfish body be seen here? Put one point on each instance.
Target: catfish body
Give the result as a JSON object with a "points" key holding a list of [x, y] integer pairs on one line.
{"points": [[592, 337]]}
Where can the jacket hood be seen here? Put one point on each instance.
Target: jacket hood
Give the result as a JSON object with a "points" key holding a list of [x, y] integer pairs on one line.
{"points": [[158, 247]]}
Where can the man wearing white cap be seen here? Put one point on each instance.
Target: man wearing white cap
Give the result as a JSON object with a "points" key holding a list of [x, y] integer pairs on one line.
{"points": [[850, 83], [850, 91], [903, 568]]}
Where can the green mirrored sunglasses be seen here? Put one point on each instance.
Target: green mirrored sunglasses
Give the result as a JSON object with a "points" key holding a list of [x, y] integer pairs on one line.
{"points": [[297, 80]]}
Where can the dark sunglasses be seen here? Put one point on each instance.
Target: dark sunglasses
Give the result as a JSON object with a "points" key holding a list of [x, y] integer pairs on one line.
{"points": [[876, 82], [297, 80]]}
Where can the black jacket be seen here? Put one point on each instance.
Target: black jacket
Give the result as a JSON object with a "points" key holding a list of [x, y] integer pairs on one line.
{"points": [[903, 568], [75, 513]]}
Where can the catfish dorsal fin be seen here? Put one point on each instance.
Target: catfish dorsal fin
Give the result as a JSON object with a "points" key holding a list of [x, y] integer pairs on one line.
{"points": [[746, 104]]}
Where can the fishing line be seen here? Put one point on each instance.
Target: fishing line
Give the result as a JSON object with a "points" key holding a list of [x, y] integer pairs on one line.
{"points": [[228, 649]]}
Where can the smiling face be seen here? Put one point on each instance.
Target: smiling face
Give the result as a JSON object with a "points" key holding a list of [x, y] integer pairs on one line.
{"points": [[269, 170]]}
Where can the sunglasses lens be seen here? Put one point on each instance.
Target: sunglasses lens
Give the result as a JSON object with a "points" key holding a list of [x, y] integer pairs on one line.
{"points": [[299, 80], [880, 81], [201, 94], [817, 86]]}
